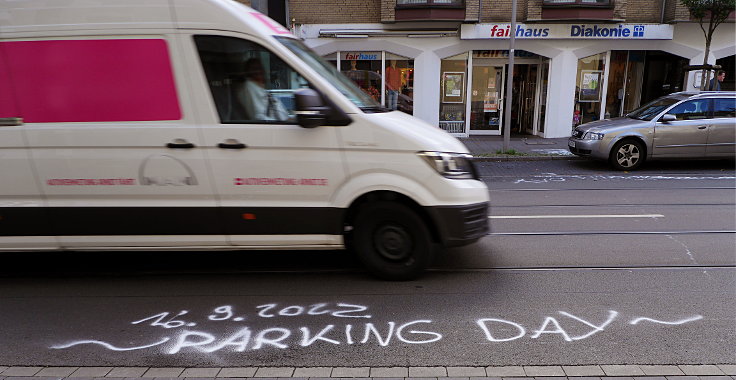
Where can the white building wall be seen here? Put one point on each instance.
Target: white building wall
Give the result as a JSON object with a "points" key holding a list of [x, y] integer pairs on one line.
{"points": [[561, 90], [427, 87]]}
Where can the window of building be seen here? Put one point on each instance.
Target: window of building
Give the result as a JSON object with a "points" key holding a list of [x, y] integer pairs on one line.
{"points": [[399, 83], [249, 84], [387, 78], [637, 77], [588, 88], [728, 64], [577, 2], [453, 84], [429, 2], [365, 69]]}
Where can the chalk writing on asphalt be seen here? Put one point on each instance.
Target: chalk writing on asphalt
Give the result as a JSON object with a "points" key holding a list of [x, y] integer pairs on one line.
{"points": [[176, 332], [552, 177]]}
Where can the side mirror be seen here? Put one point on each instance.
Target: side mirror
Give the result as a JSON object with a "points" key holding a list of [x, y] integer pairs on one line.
{"points": [[311, 111], [667, 118]]}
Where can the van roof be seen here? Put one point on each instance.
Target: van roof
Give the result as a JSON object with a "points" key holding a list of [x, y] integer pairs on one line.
{"points": [[34, 16]]}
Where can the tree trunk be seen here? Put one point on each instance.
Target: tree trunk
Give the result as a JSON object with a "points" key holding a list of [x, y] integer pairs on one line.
{"points": [[705, 78]]}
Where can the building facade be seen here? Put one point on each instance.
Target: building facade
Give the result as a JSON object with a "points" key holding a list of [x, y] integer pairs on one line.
{"points": [[445, 61]]}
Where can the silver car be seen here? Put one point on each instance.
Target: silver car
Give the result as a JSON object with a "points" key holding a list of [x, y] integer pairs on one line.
{"points": [[679, 125]]}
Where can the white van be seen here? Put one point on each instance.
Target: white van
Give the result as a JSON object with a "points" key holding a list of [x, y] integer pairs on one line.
{"points": [[203, 124]]}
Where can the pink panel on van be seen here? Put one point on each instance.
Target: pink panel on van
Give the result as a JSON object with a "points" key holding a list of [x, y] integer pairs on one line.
{"points": [[7, 103], [93, 80]]}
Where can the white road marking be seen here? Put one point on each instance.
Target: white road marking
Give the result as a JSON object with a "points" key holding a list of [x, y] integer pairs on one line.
{"points": [[573, 216]]}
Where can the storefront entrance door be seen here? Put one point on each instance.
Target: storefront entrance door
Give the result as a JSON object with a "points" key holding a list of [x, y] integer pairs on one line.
{"points": [[486, 108], [527, 96], [488, 94]]}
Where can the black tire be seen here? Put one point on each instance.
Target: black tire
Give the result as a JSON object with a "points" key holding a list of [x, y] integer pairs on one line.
{"points": [[627, 154], [391, 241]]}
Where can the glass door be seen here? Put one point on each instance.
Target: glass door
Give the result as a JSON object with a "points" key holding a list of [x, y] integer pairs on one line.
{"points": [[528, 99], [486, 107]]}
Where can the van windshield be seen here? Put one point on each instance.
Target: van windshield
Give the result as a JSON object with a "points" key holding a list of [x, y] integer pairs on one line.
{"points": [[340, 81], [652, 109]]}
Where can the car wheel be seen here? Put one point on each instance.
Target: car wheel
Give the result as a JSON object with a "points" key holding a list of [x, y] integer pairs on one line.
{"points": [[627, 155], [391, 241]]}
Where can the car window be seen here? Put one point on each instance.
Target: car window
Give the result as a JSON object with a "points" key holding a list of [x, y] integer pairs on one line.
{"points": [[691, 110], [724, 107], [652, 109], [248, 83]]}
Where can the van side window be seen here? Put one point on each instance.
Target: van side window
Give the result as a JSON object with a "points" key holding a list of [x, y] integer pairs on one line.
{"points": [[724, 107], [249, 84], [691, 110]]}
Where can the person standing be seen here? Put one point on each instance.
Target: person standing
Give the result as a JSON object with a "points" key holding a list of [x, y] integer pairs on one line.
{"points": [[715, 83], [393, 85]]}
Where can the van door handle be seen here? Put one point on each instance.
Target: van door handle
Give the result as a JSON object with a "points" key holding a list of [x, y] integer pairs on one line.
{"points": [[180, 144], [703, 127], [231, 144], [10, 121]]}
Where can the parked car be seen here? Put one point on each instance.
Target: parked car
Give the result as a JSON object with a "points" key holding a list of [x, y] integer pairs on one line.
{"points": [[679, 125]]}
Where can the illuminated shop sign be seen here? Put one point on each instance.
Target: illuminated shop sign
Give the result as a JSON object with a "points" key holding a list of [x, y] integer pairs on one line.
{"points": [[568, 31], [372, 56]]}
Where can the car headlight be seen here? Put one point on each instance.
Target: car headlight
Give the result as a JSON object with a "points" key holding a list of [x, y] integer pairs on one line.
{"points": [[451, 165], [593, 136]]}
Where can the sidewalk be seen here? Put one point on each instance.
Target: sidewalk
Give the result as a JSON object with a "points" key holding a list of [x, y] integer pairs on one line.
{"points": [[527, 148], [588, 372]]}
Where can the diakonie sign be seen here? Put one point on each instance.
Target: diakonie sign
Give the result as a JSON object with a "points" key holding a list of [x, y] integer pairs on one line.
{"points": [[568, 31]]}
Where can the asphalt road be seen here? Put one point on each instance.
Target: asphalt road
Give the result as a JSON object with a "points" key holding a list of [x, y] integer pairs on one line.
{"points": [[583, 266]]}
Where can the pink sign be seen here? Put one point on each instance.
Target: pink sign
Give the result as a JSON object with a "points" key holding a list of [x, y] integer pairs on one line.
{"points": [[270, 23], [91, 80]]}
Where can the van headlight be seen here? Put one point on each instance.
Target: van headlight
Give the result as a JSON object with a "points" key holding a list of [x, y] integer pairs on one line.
{"points": [[593, 136], [451, 165]]}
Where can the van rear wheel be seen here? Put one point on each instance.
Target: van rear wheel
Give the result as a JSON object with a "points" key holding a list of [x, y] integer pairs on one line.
{"points": [[391, 241]]}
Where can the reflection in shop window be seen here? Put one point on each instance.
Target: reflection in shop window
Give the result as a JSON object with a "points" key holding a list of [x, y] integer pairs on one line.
{"points": [[365, 69], [588, 87], [452, 93]]}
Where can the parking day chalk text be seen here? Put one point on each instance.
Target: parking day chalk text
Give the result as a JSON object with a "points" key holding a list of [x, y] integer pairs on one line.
{"points": [[241, 335]]}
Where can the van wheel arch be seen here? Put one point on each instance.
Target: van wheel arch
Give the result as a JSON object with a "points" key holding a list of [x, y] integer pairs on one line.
{"points": [[373, 217]]}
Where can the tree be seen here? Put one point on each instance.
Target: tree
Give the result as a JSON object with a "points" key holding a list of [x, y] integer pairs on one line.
{"points": [[714, 12]]}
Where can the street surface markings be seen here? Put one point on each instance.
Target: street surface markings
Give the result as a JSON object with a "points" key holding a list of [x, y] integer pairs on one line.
{"points": [[573, 216]]}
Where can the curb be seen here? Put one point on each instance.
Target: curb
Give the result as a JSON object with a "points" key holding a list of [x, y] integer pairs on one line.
{"points": [[524, 158], [648, 372]]}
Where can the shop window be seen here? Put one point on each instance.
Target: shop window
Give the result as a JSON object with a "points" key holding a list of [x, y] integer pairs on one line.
{"points": [[728, 64], [396, 79], [588, 85], [399, 83], [453, 71], [364, 68]]}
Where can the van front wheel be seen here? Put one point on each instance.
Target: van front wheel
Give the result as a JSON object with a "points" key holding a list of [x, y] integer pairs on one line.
{"points": [[391, 241]]}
